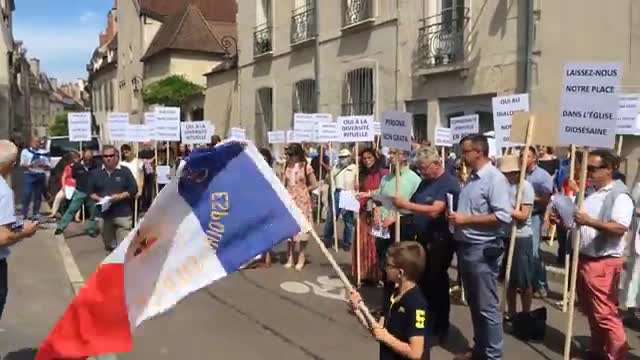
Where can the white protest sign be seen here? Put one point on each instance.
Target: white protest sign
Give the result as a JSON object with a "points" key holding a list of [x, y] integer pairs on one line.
{"points": [[462, 126], [238, 134], [167, 124], [138, 133], [79, 125], [150, 121], [292, 137], [304, 125], [503, 109], [358, 128], [327, 132], [377, 128], [164, 174], [277, 137], [443, 137], [629, 105], [396, 130], [321, 119], [194, 132], [118, 126], [211, 129], [589, 108]]}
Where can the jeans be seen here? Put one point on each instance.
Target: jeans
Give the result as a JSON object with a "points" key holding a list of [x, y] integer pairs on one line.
{"points": [[77, 200], [4, 285], [480, 265], [348, 219], [115, 229], [539, 270], [34, 187]]}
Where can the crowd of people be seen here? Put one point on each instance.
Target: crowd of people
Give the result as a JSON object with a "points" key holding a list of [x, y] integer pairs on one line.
{"points": [[461, 205]]}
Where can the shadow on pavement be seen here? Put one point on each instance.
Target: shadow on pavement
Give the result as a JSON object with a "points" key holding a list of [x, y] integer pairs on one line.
{"points": [[456, 341], [23, 354]]}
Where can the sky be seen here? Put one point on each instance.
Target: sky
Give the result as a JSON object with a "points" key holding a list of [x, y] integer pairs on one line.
{"points": [[61, 33]]}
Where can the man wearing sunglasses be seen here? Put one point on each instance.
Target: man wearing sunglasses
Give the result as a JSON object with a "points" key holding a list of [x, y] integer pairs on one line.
{"points": [[113, 186], [604, 221]]}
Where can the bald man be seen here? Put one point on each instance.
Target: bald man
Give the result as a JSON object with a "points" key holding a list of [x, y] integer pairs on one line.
{"points": [[11, 232]]}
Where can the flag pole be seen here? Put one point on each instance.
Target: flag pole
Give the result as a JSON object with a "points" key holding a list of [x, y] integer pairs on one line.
{"points": [[321, 181], [514, 223], [397, 175], [365, 311], [575, 236]]}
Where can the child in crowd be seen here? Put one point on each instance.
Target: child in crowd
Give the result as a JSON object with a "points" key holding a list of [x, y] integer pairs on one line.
{"points": [[402, 332]]}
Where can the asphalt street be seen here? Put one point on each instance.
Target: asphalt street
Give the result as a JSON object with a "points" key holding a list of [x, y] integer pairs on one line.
{"points": [[267, 313]]}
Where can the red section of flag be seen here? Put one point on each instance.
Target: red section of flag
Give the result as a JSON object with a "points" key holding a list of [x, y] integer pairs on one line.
{"points": [[95, 323]]}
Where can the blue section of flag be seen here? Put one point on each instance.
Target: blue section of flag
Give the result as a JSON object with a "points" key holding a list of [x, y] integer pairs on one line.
{"points": [[234, 204]]}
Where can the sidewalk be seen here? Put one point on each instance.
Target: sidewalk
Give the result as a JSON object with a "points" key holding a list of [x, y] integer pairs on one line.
{"points": [[39, 292]]}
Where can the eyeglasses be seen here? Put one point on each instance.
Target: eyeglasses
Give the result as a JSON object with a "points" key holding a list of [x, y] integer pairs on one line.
{"points": [[109, 156], [592, 168]]}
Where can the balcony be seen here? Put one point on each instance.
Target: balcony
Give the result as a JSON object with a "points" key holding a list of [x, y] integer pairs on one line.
{"points": [[303, 24], [262, 40], [356, 12], [441, 41]]}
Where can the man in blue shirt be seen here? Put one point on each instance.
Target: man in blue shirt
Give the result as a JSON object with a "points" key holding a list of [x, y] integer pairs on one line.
{"points": [[483, 209], [429, 204], [36, 163], [543, 186]]}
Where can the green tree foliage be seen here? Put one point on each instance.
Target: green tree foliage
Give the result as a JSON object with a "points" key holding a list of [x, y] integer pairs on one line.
{"points": [[60, 127], [173, 90]]}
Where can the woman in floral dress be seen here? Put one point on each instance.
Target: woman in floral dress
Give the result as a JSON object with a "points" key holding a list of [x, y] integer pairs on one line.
{"points": [[299, 181]]}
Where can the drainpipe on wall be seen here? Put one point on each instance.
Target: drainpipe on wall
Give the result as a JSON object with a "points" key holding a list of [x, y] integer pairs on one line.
{"points": [[526, 83], [316, 62]]}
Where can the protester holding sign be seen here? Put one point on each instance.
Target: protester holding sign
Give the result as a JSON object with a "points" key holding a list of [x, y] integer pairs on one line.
{"points": [[603, 222], [543, 185], [371, 174], [299, 181], [483, 208], [429, 204], [147, 155], [408, 182], [521, 279], [343, 178]]}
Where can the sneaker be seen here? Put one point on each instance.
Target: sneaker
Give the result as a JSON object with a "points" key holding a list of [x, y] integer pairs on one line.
{"points": [[92, 234], [58, 232]]}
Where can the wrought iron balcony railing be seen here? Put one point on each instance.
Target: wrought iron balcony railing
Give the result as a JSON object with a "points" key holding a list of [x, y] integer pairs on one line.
{"points": [[441, 37], [303, 24], [356, 11], [262, 39]]}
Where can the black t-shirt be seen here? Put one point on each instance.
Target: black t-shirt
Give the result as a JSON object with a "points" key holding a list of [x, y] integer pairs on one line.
{"points": [[428, 192], [407, 318], [103, 183], [80, 172]]}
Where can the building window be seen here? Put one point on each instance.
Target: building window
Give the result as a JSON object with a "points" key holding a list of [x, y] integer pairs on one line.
{"points": [[441, 36], [264, 114], [303, 21], [356, 11], [357, 92], [262, 35], [304, 97]]}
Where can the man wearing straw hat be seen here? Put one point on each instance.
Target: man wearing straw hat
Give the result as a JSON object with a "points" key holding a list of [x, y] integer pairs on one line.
{"points": [[604, 221], [483, 209]]}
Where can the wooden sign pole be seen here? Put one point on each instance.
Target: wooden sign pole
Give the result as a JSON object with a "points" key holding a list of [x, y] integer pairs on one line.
{"points": [[619, 145], [334, 216], [514, 226], [575, 236], [156, 166], [397, 175], [357, 214], [567, 258], [321, 181], [83, 211]]}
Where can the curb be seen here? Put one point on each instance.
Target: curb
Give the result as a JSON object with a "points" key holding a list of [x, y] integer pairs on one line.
{"points": [[75, 279]]}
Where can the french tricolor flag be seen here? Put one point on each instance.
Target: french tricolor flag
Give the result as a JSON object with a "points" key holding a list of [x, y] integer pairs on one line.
{"points": [[225, 207]]}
